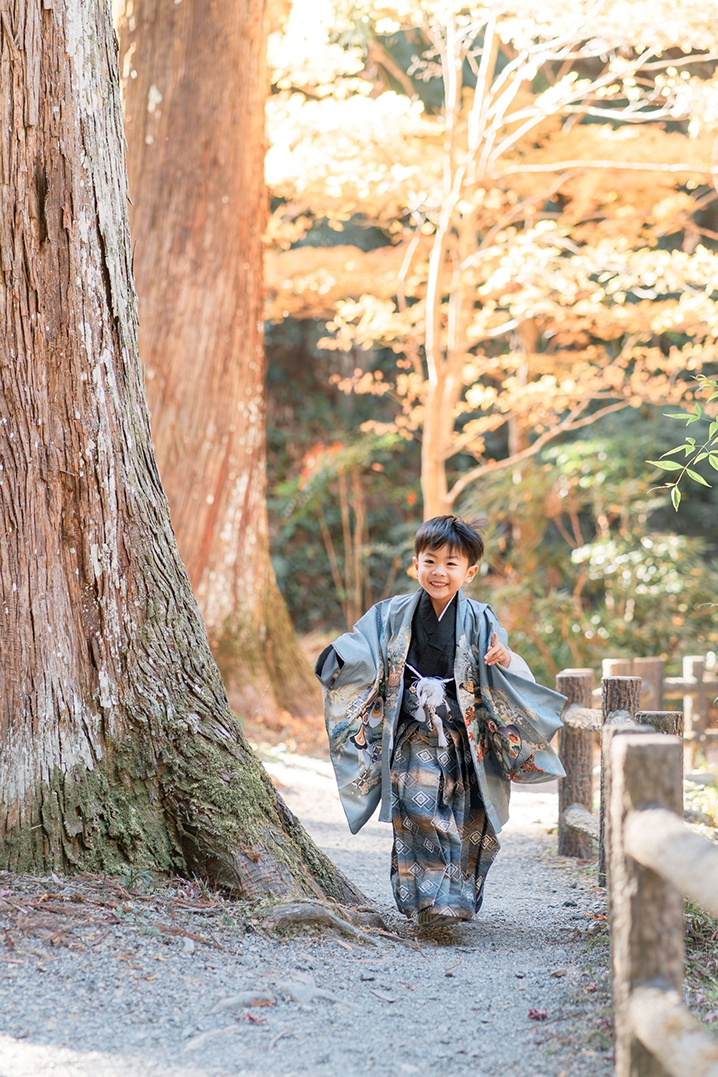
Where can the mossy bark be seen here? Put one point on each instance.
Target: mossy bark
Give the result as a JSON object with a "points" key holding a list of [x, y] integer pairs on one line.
{"points": [[195, 83], [117, 743]]}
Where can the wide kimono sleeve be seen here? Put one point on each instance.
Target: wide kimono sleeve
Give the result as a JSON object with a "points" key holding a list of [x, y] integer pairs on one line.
{"points": [[521, 717], [352, 675]]}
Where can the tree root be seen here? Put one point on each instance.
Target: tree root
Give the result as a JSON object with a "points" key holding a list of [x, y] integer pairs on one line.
{"points": [[314, 912]]}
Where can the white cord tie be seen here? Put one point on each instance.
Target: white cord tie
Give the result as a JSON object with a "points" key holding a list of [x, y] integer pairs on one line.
{"points": [[431, 693]]}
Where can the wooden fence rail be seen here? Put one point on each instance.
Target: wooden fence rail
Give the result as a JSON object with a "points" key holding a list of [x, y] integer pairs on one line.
{"points": [[653, 860]]}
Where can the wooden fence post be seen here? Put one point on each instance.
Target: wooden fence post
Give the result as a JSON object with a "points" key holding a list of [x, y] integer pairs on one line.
{"points": [[620, 697], [650, 670], [670, 722], [647, 912], [617, 667], [695, 707], [575, 749]]}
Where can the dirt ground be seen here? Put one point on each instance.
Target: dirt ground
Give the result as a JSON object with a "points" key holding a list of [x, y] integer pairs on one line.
{"points": [[135, 977]]}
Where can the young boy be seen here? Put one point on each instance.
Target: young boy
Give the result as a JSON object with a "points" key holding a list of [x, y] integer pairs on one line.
{"points": [[429, 712]]}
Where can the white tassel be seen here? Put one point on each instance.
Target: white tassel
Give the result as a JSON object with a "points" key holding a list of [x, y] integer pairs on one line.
{"points": [[431, 694], [441, 735], [430, 690]]}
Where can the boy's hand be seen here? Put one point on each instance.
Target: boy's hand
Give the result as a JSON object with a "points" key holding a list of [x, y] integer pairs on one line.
{"points": [[497, 652]]}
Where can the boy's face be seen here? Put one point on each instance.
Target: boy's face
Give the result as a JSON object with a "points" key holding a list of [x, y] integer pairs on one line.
{"points": [[442, 572]]}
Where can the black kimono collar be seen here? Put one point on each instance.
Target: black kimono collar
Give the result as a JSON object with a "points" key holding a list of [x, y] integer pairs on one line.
{"points": [[433, 641]]}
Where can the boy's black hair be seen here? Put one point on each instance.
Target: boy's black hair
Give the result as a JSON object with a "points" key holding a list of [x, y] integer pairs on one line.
{"points": [[452, 532]]}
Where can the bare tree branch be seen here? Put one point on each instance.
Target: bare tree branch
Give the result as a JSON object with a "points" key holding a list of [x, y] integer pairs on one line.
{"points": [[632, 166], [567, 425]]}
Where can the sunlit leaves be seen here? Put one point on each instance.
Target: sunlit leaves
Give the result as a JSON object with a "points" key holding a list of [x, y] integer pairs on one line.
{"points": [[553, 202]]}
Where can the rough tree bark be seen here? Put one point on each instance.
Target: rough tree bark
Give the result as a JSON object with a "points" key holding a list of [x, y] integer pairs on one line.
{"points": [[117, 743], [195, 83]]}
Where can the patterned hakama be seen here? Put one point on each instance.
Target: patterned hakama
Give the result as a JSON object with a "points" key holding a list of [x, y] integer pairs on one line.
{"points": [[444, 844]]}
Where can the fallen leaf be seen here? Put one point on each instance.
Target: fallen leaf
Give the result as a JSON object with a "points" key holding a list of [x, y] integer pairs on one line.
{"points": [[592, 986], [244, 1000], [537, 1015], [559, 972]]}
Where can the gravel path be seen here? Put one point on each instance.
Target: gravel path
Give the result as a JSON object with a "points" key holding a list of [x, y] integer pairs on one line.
{"points": [[174, 983]]}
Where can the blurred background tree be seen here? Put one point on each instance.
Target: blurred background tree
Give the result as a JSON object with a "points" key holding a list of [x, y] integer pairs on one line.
{"points": [[194, 84]]}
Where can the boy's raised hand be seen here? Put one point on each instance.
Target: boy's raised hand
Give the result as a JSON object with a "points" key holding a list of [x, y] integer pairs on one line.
{"points": [[497, 652]]}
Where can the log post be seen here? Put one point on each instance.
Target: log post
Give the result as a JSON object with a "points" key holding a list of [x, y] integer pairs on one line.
{"points": [[617, 667], [647, 912], [650, 670], [695, 706], [620, 698], [670, 722], [575, 749]]}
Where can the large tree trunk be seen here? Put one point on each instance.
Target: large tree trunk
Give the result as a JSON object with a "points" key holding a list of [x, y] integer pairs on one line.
{"points": [[195, 84], [117, 744]]}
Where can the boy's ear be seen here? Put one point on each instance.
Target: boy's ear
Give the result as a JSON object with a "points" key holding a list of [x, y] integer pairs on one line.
{"points": [[416, 563], [471, 573]]}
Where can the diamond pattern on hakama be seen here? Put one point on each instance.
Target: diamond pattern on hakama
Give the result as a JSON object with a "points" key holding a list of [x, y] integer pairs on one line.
{"points": [[444, 844]]}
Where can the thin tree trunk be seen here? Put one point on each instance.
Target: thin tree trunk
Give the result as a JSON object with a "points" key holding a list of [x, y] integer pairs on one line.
{"points": [[117, 744], [195, 83], [434, 486]]}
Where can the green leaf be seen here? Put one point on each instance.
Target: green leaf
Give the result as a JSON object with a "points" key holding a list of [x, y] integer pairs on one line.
{"points": [[713, 461], [676, 497], [678, 448], [693, 419], [713, 429], [696, 477], [701, 456], [676, 414], [666, 465], [698, 410]]}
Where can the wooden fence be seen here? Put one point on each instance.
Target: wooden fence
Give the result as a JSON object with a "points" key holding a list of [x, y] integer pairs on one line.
{"points": [[654, 861], [648, 857], [697, 687]]}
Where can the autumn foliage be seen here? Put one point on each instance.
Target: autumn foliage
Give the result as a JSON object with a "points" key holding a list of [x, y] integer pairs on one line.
{"points": [[503, 221], [539, 176]]}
